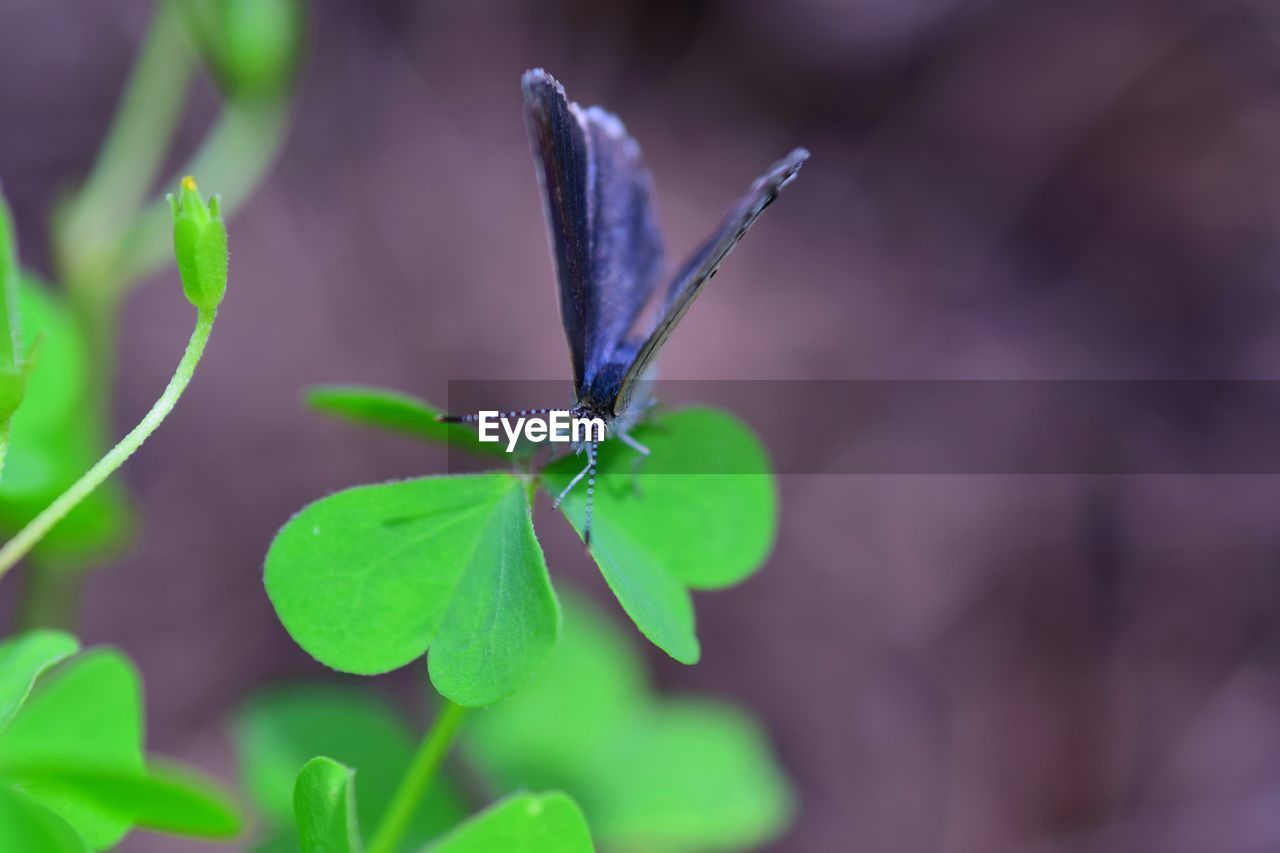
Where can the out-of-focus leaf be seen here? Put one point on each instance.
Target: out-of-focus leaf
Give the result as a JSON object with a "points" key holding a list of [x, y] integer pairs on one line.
{"points": [[278, 732], [396, 412], [55, 392], [13, 384], [367, 579], [164, 800], [651, 774], [86, 714], [700, 511], [22, 659], [253, 46], [52, 442], [12, 374], [690, 775], [528, 823], [324, 806], [27, 825], [537, 738]]}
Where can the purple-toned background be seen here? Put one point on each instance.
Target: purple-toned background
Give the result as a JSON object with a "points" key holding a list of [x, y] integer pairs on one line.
{"points": [[998, 190]]}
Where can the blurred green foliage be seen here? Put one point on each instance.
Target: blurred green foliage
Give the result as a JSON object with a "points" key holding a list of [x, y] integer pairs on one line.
{"points": [[12, 359], [527, 823], [73, 773], [277, 732], [651, 772], [53, 442], [108, 234], [253, 47]]}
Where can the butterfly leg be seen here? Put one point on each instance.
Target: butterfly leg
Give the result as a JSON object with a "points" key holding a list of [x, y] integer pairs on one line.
{"points": [[577, 478], [589, 471], [643, 452], [591, 490], [625, 438]]}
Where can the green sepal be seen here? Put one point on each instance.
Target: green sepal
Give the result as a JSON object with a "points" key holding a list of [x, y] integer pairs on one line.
{"points": [[199, 246]]}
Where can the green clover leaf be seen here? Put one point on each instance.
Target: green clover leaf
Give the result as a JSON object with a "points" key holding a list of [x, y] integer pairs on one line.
{"points": [[700, 512], [366, 580], [22, 660], [88, 713]]}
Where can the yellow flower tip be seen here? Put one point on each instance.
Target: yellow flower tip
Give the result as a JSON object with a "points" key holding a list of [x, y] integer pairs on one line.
{"points": [[189, 183]]}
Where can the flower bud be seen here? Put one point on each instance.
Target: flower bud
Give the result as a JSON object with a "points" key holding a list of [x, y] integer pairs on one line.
{"points": [[200, 246], [253, 45]]}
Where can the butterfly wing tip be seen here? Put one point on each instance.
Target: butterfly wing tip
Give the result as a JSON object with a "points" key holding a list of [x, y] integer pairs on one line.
{"points": [[535, 77], [785, 169]]}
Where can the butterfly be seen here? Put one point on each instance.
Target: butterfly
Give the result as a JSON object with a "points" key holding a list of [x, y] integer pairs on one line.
{"points": [[609, 259]]}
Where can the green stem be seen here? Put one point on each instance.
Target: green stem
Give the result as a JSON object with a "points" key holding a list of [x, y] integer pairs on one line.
{"points": [[143, 123], [413, 787], [18, 547]]}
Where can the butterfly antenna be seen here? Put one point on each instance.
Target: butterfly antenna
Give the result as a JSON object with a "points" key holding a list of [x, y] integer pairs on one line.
{"points": [[591, 490], [446, 418]]}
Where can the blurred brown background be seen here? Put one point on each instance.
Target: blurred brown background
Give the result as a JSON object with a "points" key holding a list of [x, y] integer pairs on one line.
{"points": [[998, 189]]}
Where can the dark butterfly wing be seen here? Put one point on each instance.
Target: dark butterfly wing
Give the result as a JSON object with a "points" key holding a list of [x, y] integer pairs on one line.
{"points": [[627, 248], [702, 266], [604, 234], [563, 163]]}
